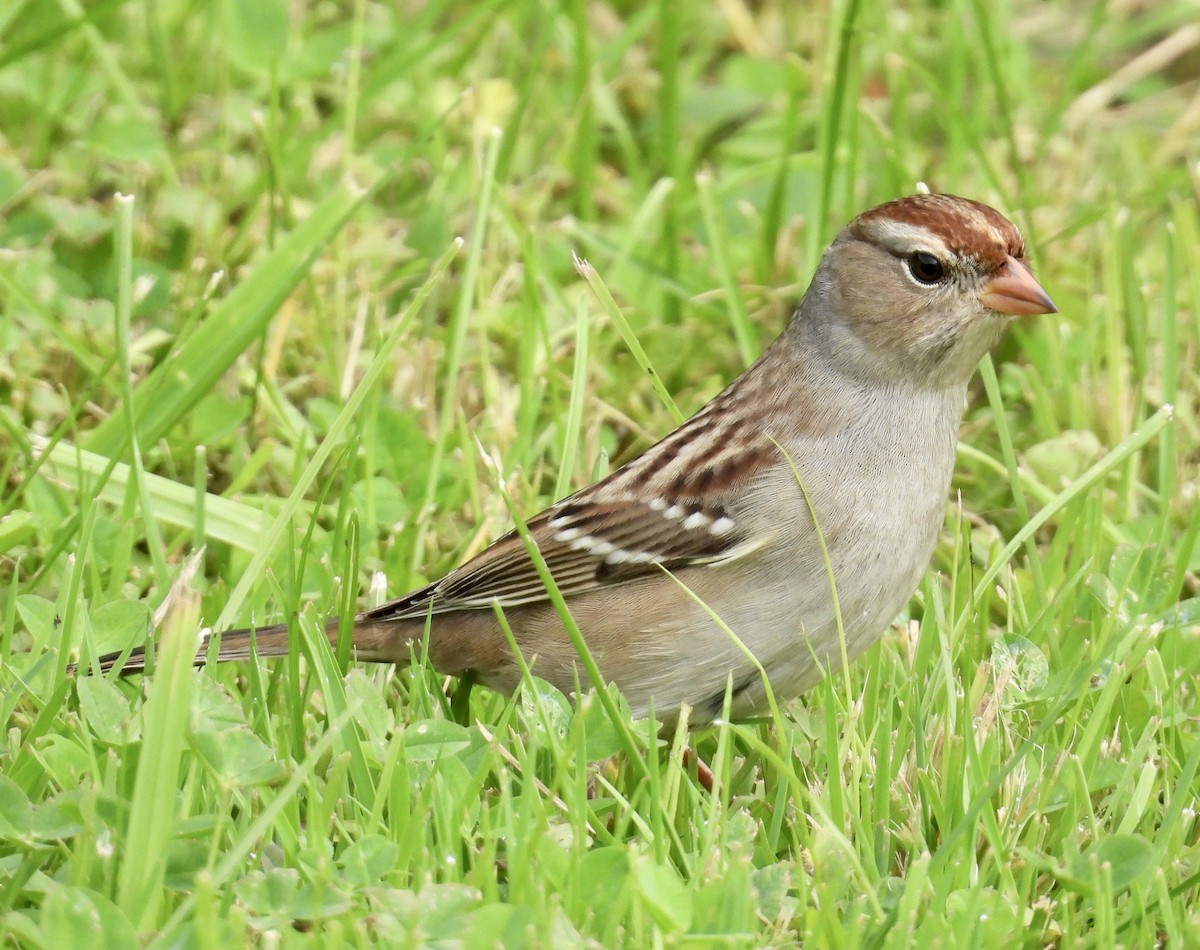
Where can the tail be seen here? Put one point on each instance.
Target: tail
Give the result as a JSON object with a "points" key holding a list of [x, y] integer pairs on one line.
{"points": [[235, 645], [388, 641]]}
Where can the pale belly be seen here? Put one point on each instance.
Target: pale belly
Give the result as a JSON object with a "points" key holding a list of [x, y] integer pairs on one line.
{"points": [[878, 543]]}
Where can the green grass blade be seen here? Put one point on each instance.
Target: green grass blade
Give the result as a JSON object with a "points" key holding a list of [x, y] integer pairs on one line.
{"points": [[345, 419], [165, 716], [163, 398]]}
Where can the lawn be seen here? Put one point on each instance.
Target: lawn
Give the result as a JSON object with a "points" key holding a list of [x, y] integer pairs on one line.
{"points": [[291, 322]]}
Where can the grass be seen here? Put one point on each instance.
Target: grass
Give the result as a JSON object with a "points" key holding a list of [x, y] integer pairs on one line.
{"points": [[271, 368]]}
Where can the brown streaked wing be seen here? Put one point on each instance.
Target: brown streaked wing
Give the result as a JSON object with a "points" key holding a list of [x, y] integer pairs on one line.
{"points": [[671, 507], [586, 545]]}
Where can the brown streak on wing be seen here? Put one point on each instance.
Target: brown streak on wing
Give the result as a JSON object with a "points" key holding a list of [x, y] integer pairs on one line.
{"points": [[703, 467], [504, 572]]}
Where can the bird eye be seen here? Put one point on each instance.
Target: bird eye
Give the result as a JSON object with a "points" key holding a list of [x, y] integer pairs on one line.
{"points": [[925, 268]]}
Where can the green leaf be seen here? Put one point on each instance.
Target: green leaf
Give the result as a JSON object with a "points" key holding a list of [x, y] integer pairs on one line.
{"points": [[269, 894], [606, 871], [1128, 856], [258, 33], [503, 925], [773, 886], [105, 710], [236, 756], [127, 138], [16, 814], [65, 761], [433, 739], [1058, 460], [119, 623], [387, 502], [984, 913], [70, 919], [186, 857], [1020, 668], [39, 616], [543, 706], [443, 907], [366, 862], [602, 738], [666, 897], [59, 818], [16, 528], [280, 896], [374, 718]]}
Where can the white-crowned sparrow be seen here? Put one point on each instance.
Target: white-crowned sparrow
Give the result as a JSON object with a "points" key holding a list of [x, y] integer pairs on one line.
{"points": [[849, 419]]}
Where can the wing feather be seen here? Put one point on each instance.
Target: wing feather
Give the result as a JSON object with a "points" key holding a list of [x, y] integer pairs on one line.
{"points": [[586, 547], [673, 507]]}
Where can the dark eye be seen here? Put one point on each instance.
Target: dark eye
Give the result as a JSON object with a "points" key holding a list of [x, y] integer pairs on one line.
{"points": [[926, 268]]}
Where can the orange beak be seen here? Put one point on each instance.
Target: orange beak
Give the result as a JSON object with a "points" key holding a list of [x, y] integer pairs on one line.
{"points": [[1014, 291]]}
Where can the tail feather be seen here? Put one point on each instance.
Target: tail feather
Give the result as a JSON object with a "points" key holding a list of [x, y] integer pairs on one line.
{"points": [[388, 641], [235, 645]]}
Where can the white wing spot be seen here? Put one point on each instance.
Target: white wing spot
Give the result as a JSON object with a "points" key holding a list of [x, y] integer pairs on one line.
{"points": [[566, 534], [697, 519], [722, 525], [621, 556], [597, 547], [674, 513]]}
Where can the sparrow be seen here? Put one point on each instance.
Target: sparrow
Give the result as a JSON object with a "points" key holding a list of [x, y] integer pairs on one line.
{"points": [[797, 509]]}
